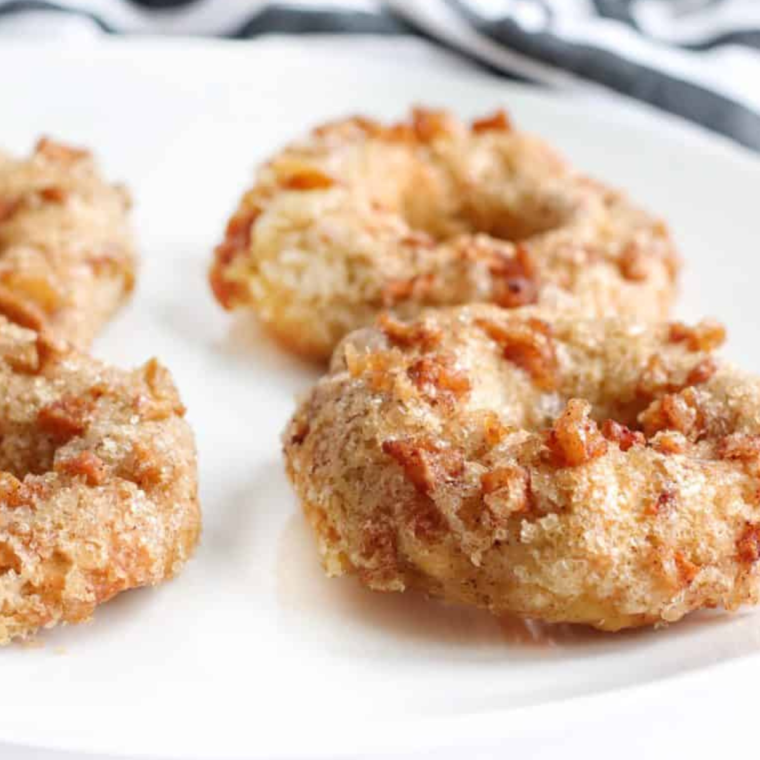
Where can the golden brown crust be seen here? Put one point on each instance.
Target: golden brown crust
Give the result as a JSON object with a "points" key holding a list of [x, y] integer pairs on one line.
{"points": [[67, 258], [98, 482], [361, 217], [625, 493]]}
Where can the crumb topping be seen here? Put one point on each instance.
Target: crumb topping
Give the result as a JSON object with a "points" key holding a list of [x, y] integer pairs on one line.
{"points": [[527, 344], [706, 336], [575, 439], [496, 122], [425, 464]]}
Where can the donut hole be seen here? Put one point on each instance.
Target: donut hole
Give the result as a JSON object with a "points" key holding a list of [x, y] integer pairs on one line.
{"points": [[31, 435], [27, 452], [489, 196], [517, 219], [509, 216]]}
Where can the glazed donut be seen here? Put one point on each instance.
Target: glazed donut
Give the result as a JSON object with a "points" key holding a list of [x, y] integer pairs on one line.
{"points": [[360, 217], [97, 482], [602, 472], [67, 258]]}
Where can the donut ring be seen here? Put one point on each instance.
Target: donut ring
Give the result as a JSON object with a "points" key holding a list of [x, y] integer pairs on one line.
{"points": [[97, 482], [585, 471], [360, 217], [67, 258]]}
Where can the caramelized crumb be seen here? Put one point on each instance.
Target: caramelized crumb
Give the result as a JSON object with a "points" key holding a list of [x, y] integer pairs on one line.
{"points": [[739, 446], [398, 133], [702, 371], [360, 363], [529, 345], [65, 418], [9, 559], [32, 358], [669, 442], [22, 360], [496, 122], [634, 264], [163, 400], [429, 124], [53, 194], [674, 411], [574, 439], [21, 311], [498, 478], [417, 288], [309, 178], [748, 544], [144, 467], [14, 493], [55, 151], [407, 335], [49, 351], [622, 435], [514, 280], [85, 464], [425, 464], [506, 491], [438, 378], [706, 336]]}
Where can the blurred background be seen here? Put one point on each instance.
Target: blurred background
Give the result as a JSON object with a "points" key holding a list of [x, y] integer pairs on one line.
{"points": [[696, 59]]}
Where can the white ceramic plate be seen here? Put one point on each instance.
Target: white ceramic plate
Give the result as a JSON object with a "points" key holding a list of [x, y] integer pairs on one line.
{"points": [[252, 652]]}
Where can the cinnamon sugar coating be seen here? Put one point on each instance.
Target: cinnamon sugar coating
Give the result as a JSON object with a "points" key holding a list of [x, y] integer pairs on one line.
{"points": [[67, 258], [98, 490], [360, 217], [604, 482]]}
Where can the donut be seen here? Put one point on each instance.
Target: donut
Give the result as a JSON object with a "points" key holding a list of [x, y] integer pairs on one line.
{"points": [[67, 258], [98, 488], [603, 472], [359, 218]]}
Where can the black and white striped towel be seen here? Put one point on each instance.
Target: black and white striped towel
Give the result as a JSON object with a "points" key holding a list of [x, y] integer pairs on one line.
{"points": [[699, 59]]}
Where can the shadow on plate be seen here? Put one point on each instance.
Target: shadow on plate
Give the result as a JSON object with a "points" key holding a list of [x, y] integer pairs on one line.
{"points": [[198, 321], [230, 530], [303, 589], [248, 342]]}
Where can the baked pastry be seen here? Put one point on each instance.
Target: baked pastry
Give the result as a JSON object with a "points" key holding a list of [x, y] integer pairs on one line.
{"points": [[603, 472], [98, 483], [360, 217], [67, 258]]}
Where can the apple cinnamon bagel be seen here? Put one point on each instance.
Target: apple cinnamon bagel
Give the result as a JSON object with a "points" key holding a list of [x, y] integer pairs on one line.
{"points": [[67, 258], [602, 472], [360, 217], [97, 482]]}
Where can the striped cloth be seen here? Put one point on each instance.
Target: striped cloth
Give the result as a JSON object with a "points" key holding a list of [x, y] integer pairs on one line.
{"points": [[699, 59]]}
